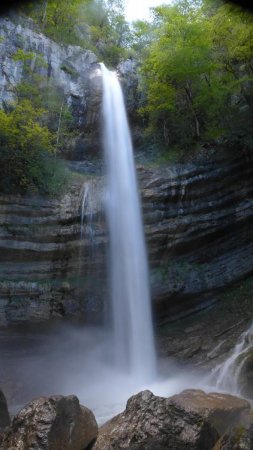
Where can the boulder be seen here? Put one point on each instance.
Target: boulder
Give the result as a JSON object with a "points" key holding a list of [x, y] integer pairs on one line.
{"points": [[220, 410], [54, 423], [239, 438], [191, 420]]}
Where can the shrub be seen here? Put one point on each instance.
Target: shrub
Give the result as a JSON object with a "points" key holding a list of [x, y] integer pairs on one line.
{"points": [[27, 161]]}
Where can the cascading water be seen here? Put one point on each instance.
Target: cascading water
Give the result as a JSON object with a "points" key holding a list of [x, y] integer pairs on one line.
{"points": [[87, 210], [132, 321], [226, 376]]}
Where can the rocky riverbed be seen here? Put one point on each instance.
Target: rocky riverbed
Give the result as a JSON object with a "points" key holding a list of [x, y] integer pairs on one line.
{"points": [[191, 420]]}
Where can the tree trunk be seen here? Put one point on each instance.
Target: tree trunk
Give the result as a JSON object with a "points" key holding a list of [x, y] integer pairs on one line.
{"points": [[44, 17], [59, 125], [166, 133], [194, 115]]}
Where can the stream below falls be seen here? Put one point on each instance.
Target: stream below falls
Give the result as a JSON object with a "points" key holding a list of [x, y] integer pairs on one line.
{"points": [[66, 360]]}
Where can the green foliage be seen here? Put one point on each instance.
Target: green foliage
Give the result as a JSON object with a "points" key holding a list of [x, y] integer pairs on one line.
{"points": [[68, 69], [43, 93], [98, 25], [23, 56], [197, 74], [26, 152]]}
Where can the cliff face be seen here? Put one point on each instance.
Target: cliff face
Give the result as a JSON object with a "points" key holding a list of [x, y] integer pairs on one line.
{"points": [[198, 217], [46, 269], [199, 231], [70, 68], [198, 223]]}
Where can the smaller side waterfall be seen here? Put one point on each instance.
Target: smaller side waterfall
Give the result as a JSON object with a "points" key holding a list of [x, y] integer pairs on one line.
{"points": [[91, 264], [87, 210], [226, 376], [132, 322]]}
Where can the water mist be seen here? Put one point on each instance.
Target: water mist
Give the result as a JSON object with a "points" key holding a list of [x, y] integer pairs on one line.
{"points": [[132, 321]]}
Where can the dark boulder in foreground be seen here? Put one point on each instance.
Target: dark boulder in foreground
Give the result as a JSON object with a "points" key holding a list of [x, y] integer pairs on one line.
{"points": [[53, 423], [191, 420]]}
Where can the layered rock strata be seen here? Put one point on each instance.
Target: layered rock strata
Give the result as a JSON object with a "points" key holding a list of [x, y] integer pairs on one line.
{"points": [[47, 270], [198, 224], [199, 231]]}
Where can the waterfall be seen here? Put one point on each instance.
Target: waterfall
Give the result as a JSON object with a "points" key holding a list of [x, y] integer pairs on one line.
{"points": [[132, 320], [87, 209], [226, 376]]}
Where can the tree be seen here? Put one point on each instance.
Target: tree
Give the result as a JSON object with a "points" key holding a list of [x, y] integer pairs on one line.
{"points": [[27, 162], [198, 73], [178, 64], [98, 25]]}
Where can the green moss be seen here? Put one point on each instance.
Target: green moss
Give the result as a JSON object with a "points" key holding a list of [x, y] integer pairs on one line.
{"points": [[238, 433], [179, 269], [19, 40], [242, 290], [69, 69]]}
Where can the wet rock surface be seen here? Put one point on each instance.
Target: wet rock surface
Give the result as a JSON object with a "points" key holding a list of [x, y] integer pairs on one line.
{"points": [[54, 423], [206, 338], [190, 420], [198, 221], [4, 413], [238, 438], [198, 225], [47, 271], [246, 375]]}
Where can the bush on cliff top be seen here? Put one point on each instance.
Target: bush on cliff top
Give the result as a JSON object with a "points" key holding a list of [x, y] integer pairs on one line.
{"points": [[27, 162]]}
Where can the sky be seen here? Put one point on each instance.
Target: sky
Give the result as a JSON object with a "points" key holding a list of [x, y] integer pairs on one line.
{"points": [[139, 9]]}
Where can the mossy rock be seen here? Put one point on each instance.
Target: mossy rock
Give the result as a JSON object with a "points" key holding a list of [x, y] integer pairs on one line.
{"points": [[246, 376]]}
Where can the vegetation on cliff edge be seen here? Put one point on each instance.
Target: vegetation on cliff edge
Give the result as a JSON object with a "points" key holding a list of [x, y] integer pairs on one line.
{"points": [[197, 76], [195, 68]]}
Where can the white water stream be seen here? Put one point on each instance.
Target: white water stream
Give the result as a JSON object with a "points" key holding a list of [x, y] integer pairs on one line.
{"points": [[226, 376], [132, 321]]}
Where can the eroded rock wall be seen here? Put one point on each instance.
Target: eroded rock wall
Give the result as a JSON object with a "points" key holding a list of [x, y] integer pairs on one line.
{"points": [[70, 68], [199, 231], [198, 224], [47, 271]]}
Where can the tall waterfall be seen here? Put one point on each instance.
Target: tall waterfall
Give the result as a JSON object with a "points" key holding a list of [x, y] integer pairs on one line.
{"points": [[132, 321]]}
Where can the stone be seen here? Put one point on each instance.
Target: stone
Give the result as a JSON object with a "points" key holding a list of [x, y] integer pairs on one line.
{"points": [[190, 420], [70, 68], [43, 256], [238, 438], [246, 376], [4, 413], [190, 262], [220, 410], [53, 423], [196, 232]]}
